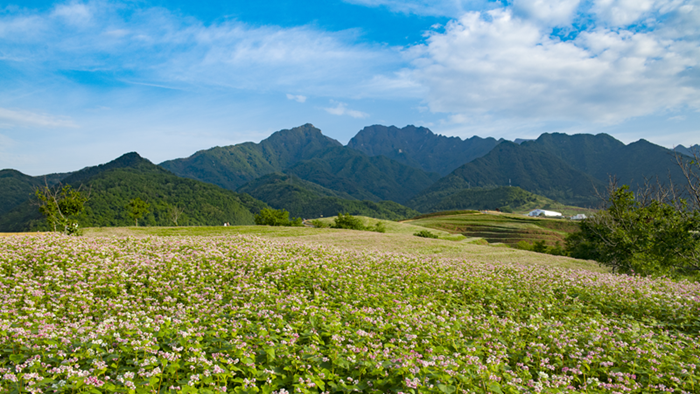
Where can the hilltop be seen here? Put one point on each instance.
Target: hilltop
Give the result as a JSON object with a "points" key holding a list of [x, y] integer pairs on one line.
{"points": [[173, 200]]}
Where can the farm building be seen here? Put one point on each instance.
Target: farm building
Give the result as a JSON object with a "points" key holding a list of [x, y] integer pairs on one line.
{"points": [[542, 212], [580, 216]]}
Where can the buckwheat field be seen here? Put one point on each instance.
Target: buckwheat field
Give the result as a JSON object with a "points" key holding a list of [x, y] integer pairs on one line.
{"points": [[247, 315]]}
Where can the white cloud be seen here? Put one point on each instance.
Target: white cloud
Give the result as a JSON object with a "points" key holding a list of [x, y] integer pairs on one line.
{"points": [[20, 118], [549, 12], [74, 13], [342, 109], [298, 98], [154, 46], [495, 63], [626, 12], [450, 8]]}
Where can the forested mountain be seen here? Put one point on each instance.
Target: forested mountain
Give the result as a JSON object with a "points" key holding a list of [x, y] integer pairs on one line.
{"points": [[308, 200], [602, 156], [365, 178], [512, 164], [232, 166], [172, 199], [16, 188], [310, 174], [503, 198], [421, 148]]}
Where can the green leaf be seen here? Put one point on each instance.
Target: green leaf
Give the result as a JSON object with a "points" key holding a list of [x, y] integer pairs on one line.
{"points": [[495, 387], [446, 389], [16, 358]]}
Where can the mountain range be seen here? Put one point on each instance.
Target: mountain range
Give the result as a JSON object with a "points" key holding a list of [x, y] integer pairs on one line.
{"points": [[384, 172]]}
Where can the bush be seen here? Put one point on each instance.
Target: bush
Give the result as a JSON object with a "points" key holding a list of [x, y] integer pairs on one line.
{"points": [[319, 223], [379, 227], [524, 245], [539, 247], [276, 217], [646, 237], [425, 234], [348, 222]]}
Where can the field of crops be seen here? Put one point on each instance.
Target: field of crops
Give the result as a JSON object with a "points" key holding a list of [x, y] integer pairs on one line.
{"points": [[245, 314], [498, 228]]}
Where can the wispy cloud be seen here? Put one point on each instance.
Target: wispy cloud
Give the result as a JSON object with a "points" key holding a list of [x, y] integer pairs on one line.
{"points": [[298, 98], [449, 8], [21, 118], [154, 46], [342, 109]]}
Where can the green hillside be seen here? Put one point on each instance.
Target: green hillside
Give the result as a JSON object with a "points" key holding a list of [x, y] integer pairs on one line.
{"points": [[375, 178], [112, 185], [232, 166], [308, 200], [537, 172], [602, 156], [498, 228], [503, 198], [16, 187], [420, 148]]}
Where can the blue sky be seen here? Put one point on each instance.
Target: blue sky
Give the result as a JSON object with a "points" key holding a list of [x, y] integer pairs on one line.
{"points": [[82, 82]]}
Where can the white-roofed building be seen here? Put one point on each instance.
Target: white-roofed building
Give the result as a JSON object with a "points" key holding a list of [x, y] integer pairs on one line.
{"points": [[542, 212]]}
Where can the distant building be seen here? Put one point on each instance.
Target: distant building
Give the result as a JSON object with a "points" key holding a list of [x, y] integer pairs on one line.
{"points": [[580, 216], [542, 212]]}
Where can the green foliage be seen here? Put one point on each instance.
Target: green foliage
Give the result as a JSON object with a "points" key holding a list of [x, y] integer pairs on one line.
{"points": [[379, 227], [319, 223], [60, 206], [173, 200], [365, 178], [137, 208], [504, 198], [232, 166], [539, 246], [557, 250], [348, 222], [425, 234], [307, 199], [276, 217], [647, 239], [537, 172], [524, 245]]}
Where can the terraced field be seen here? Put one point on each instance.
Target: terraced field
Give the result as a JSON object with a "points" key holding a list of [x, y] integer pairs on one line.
{"points": [[498, 227]]}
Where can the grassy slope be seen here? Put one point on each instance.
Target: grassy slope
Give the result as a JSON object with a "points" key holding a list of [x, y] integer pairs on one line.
{"points": [[364, 240], [503, 228], [505, 198]]}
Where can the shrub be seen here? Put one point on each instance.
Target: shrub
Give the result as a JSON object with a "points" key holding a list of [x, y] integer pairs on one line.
{"points": [[524, 245], [425, 234], [379, 227], [319, 223], [539, 247], [641, 236], [276, 217], [348, 222]]}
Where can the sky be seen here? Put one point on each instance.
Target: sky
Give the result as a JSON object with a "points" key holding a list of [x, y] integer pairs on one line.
{"points": [[82, 82]]}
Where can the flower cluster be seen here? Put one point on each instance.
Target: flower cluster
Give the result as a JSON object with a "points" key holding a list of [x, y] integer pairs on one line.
{"points": [[242, 314]]}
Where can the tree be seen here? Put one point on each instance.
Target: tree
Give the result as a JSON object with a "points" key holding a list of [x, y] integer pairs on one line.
{"points": [[647, 236], [60, 205], [348, 221], [175, 212], [276, 217], [137, 208]]}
